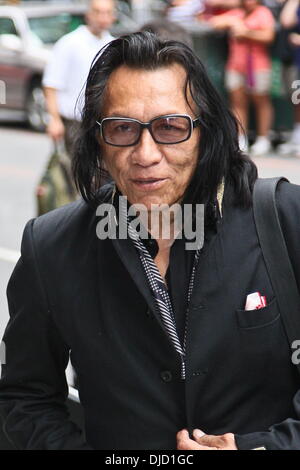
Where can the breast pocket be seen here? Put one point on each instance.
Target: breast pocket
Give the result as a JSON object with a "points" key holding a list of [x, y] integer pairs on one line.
{"points": [[251, 319]]}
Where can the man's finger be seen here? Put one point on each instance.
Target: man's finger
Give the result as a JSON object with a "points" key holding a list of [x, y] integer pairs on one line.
{"points": [[225, 441], [185, 443], [189, 444], [182, 434], [207, 439]]}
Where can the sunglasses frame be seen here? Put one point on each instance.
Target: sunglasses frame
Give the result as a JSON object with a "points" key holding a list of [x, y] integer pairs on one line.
{"points": [[148, 125]]}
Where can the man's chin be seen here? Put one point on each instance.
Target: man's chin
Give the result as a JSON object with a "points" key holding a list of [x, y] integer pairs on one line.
{"points": [[153, 203]]}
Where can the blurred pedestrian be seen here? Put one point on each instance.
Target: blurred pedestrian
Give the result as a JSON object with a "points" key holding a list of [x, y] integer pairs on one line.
{"points": [[290, 18], [67, 70], [248, 70]]}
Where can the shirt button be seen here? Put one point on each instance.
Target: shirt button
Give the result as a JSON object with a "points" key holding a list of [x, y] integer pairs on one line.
{"points": [[166, 375]]}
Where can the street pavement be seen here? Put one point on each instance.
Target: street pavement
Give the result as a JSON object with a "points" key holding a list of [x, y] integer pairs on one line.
{"points": [[23, 156]]}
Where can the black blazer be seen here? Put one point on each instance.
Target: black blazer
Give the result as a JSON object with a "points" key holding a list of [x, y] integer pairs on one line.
{"points": [[71, 292]]}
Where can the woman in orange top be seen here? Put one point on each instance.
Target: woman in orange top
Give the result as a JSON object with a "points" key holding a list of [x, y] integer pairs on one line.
{"points": [[248, 69]]}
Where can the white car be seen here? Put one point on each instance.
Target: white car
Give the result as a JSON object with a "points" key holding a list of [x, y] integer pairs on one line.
{"points": [[27, 34]]}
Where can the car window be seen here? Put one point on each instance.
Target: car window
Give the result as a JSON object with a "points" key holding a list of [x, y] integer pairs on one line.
{"points": [[51, 28], [7, 26]]}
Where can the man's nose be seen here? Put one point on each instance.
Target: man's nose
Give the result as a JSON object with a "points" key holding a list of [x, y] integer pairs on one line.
{"points": [[146, 152]]}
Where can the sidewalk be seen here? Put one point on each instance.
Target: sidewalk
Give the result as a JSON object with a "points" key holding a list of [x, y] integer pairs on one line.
{"points": [[274, 165]]}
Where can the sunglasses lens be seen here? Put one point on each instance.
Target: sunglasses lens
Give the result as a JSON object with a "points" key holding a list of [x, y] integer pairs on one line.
{"points": [[171, 130], [120, 132]]}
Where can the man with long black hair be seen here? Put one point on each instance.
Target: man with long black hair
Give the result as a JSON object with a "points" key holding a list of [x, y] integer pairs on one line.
{"points": [[167, 342]]}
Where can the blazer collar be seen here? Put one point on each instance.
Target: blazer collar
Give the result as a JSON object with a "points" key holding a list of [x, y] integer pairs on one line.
{"points": [[130, 259]]}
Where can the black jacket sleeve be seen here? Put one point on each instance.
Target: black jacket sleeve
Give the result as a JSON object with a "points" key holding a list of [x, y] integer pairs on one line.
{"points": [[284, 435], [33, 388]]}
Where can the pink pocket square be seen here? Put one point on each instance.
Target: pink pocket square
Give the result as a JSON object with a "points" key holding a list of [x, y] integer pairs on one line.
{"points": [[255, 301]]}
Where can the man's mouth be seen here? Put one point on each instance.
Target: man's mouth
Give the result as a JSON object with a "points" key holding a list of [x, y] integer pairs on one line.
{"points": [[149, 183]]}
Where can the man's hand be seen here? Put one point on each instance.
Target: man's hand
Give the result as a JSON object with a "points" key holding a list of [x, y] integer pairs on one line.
{"points": [[204, 441], [56, 129]]}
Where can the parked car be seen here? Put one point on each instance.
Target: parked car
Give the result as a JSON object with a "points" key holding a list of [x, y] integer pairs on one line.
{"points": [[27, 34]]}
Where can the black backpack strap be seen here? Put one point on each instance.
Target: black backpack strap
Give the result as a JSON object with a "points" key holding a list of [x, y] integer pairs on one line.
{"points": [[276, 256]]}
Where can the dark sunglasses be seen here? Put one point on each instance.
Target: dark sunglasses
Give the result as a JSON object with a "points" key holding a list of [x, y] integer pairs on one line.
{"points": [[167, 129]]}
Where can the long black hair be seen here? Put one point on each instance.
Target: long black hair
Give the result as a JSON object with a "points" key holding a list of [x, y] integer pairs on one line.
{"points": [[219, 153]]}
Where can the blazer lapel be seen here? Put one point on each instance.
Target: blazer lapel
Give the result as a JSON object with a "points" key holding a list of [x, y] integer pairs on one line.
{"points": [[131, 261]]}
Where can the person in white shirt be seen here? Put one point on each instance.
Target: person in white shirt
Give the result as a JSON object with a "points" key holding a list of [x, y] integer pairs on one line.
{"points": [[66, 72]]}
